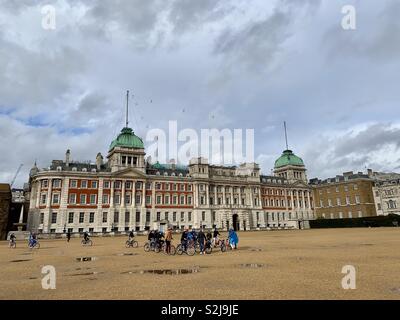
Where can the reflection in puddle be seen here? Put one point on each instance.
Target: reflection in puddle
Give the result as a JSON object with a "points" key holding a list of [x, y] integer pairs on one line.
{"points": [[83, 259], [85, 274], [256, 249], [165, 271], [252, 265], [126, 254], [21, 260]]}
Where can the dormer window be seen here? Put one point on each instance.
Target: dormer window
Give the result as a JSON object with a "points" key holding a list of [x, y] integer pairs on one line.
{"points": [[84, 170], [59, 168], [74, 169], [157, 173], [165, 173], [93, 170]]}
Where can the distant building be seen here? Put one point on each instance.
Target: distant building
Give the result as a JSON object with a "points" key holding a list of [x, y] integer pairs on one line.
{"points": [[129, 192], [5, 202], [386, 192], [345, 196]]}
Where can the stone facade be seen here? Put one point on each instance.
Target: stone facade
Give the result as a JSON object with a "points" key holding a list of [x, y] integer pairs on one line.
{"points": [[128, 192], [386, 192], [5, 202]]}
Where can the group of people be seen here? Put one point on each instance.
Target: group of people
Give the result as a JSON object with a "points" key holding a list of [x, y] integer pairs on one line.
{"points": [[32, 239], [157, 238]]}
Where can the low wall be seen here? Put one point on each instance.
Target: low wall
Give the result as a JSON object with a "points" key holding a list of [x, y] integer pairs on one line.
{"points": [[391, 220]]}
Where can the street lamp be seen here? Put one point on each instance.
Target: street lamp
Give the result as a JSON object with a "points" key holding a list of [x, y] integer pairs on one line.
{"points": [[65, 227]]}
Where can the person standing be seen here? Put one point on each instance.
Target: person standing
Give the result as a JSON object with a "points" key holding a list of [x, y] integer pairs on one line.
{"points": [[201, 238], [233, 239], [68, 236], [168, 239]]}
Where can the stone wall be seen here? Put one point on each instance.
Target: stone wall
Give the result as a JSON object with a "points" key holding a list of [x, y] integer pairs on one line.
{"points": [[5, 201]]}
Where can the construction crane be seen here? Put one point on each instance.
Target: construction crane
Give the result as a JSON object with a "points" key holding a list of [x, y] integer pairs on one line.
{"points": [[16, 174]]}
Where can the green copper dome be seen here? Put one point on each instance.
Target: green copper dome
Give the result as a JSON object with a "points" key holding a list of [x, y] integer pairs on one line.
{"points": [[127, 139], [288, 158]]}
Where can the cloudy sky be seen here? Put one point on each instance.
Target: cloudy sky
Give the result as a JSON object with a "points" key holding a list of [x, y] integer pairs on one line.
{"points": [[207, 64]]}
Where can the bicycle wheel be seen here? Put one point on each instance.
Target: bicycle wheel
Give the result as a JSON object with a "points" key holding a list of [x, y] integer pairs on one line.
{"points": [[146, 247], [173, 250], [179, 249], [135, 244], [223, 247], [190, 251], [208, 249], [197, 248], [37, 245], [157, 249], [127, 244]]}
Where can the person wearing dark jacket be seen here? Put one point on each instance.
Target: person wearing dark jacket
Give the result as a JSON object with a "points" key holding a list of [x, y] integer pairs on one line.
{"points": [[201, 238], [184, 239], [68, 236]]}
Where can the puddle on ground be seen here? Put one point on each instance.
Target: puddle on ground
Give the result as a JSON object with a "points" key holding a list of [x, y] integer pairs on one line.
{"points": [[85, 274], [165, 271], [21, 260], [78, 269], [252, 265], [126, 254], [256, 249], [84, 259], [395, 290], [33, 278], [366, 244]]}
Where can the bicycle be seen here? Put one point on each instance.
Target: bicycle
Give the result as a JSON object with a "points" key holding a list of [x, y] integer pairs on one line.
{"points": [[35, 244], [87, 242], [131, 243], [152, 246], [190, 250], [12, 244], [172, 249]]}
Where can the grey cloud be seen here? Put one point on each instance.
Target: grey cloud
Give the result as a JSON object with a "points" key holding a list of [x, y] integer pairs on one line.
{"points": [[371, 139]]}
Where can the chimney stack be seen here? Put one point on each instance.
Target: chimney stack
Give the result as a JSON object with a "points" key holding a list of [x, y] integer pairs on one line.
{"points": [[67, 157], [99, 161]]}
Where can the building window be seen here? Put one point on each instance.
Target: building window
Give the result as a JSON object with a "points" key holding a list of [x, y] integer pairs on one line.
{"points": [[71, 217], [189, 187], [189, 200], [147, 216], [56, 183], [106, 185], [73, 184], [148, 185], [138, 185], [104, 217], [43, 198], [94, 184], [201, 200], [117, 199], [158, 216], [128, 185], [158, 199], [360, 214], [91, 217], [338, 201], [174, 199], [148, 199], [93, 199], [357, 199], [81, 217], [41, 218], [116, 217], [203, 215], [127, 217], [166, 216], [128, 199], [137, 216], [355, 187], [182, 200], [213, 216], [182, 216], [182, 187], [106, 199], [84, 184], [56, 198], [138, 198], [166, 200], [83, 199], [45, 183], [379, 206], [391, 204], [72, 198], [347, 200], [174, 216], [117, 184], [189, 216]]}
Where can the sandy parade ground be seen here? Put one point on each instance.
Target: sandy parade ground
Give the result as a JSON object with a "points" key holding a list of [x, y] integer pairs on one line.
{"points": [[295, 264]]}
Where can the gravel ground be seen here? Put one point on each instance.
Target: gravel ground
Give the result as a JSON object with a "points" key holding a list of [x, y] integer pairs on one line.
{"points": [[298, 264]]}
